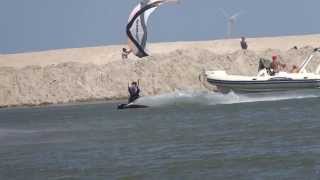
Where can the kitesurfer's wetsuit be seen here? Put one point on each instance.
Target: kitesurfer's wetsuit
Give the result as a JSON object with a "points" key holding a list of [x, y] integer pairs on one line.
{"points": [[134, 92]]}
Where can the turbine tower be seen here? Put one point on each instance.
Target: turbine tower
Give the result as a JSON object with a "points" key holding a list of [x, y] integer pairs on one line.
{"points": [[231, 22]]}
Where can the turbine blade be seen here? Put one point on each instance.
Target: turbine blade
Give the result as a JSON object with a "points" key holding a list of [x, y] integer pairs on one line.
{"points": [[236, 15], [224, 13], [174, 1]]}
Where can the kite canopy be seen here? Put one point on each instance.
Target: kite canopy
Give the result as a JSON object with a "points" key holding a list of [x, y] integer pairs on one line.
{"points": [[137, 25]]}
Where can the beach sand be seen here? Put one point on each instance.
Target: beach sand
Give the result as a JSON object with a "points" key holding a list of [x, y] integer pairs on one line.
{"points": [[82, 74]]}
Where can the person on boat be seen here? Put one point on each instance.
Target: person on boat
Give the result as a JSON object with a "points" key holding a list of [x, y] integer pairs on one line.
{"points": [[125, 53], [294, 69], [276, 65], [243, 43], [134, 92]]}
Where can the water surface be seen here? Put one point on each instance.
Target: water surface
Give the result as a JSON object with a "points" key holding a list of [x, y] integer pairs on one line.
{"points": [[181, 137]]}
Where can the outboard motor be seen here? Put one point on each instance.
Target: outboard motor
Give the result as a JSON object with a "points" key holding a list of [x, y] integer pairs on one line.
{"points": [[264, 64]]}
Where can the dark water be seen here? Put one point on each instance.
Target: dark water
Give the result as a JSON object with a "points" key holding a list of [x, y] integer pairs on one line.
{"points": [[274, 139]]}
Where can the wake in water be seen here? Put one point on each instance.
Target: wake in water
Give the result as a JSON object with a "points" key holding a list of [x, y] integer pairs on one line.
{"points": [[215, 98]]}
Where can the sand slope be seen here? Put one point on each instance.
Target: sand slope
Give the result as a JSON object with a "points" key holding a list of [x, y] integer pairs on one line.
{"points": [[61, 76]]}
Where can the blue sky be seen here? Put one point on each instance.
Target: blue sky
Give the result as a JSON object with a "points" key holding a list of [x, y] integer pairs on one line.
{"points": [[34, 25]]}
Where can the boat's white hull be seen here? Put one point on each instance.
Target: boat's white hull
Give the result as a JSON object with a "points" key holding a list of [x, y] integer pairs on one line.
{"points": [[225, 82], [266, 81]]}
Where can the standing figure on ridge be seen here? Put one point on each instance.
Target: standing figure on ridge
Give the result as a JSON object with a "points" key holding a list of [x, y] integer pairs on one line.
{"points": [[243, 43]]}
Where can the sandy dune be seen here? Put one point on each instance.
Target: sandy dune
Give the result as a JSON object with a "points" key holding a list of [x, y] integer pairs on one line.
{"points": [[61, 76], [107, 54]]}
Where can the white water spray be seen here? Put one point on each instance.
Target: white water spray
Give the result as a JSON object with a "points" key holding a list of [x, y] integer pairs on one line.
{"points": [[215, 98]]}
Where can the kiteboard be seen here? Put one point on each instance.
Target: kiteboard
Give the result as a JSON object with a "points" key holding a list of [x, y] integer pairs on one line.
{"points": [[131, 106]]}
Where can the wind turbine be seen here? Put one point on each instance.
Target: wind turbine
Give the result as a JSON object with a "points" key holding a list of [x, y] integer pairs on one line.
{"points": [[231, 21]]}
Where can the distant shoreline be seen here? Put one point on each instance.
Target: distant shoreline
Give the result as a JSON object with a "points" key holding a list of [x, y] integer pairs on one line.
{"points": [[155, 43]]}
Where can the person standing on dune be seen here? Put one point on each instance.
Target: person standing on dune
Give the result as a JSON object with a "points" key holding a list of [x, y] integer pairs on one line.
{"points": [[243, 43]]}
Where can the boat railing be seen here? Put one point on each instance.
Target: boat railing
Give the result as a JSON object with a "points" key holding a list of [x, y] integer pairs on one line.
{"points": [[318, 69], [302, 68]]}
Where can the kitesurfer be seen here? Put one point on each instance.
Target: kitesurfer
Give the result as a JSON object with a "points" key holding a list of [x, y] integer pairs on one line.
{"points": [[134, 92]]}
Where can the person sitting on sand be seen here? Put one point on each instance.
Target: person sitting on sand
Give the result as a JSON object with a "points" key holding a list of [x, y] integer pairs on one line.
{"points": [[243, 43], [134, 92], [125, 53], [276, 65]]}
